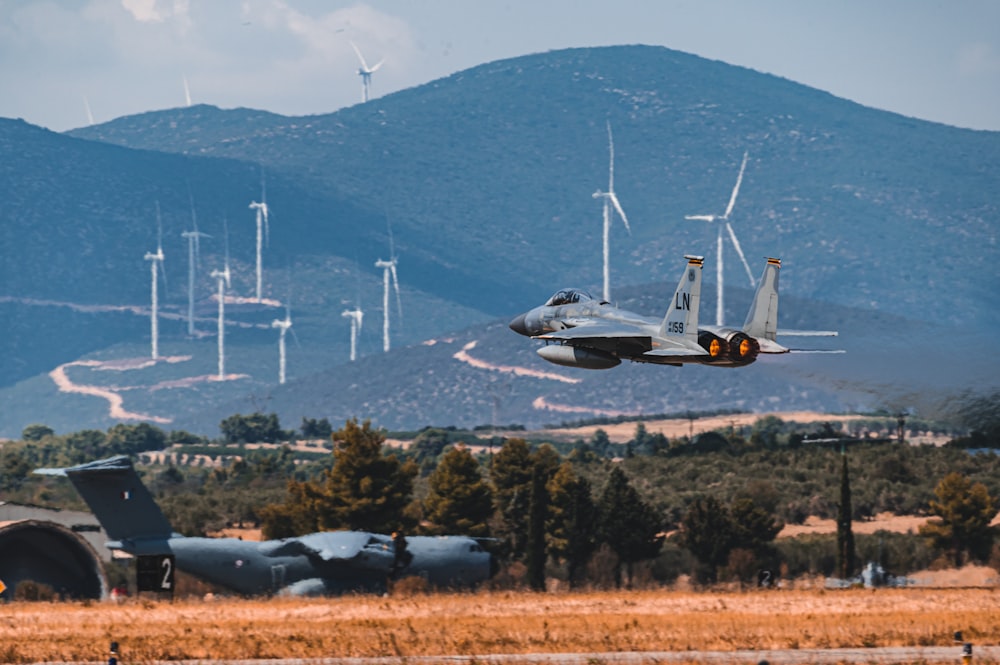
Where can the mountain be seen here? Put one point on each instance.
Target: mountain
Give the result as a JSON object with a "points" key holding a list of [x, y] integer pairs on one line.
{"points": [[873, 209], [885, 225]]}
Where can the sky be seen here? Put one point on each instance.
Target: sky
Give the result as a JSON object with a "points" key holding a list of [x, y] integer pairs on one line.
{"points": [[66, 63]]}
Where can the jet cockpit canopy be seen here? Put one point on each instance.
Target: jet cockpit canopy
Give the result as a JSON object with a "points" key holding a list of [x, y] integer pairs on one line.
{"points": [[568, 297]]}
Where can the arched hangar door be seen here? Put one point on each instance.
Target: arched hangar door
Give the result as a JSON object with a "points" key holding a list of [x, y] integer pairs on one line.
{"points": [[50, 553]]}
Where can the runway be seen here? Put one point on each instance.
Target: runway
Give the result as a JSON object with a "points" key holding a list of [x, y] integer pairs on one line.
{"points": [[901, 655]]}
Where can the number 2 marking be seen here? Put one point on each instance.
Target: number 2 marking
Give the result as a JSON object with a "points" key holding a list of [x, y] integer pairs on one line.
{"points": [[168, 568]]}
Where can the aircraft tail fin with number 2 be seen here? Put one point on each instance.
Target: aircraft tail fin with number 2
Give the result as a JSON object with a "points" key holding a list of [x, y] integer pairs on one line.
{"points": [[681, 320], [119, 500]]}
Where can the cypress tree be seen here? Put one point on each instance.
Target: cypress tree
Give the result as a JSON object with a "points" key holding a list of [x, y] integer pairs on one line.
{"points": [[845, 535], [572, 521], [511, 476], [536, 554]]}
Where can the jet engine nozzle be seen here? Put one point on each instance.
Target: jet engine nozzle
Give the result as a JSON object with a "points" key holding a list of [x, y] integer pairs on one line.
{"points": [[717, 347], [743, 349]]}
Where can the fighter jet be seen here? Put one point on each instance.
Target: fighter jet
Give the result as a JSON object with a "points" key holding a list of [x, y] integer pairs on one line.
{"points": [[583, 332], [317, 564]]}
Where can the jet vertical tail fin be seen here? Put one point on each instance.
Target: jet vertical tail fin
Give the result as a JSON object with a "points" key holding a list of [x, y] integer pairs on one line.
{"points": [[116, 496], [681, 320], [762, 319]]}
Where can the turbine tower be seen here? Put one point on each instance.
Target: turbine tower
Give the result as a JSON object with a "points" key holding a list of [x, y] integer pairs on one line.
{"points": [[356, 316], [365, 72], [223, 278], [156, 265], [194, 249], [610, 200], [724, 218], [262, 227], [282, 325], [388, 268]]}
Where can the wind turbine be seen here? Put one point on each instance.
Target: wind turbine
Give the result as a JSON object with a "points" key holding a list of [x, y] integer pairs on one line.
{"points": [[156, 265], [223, 278], [194, 249], [732, 235], [356, 316], [282, 325], [187, 92], [90, 116], [610, 200], [388, 268], [365, 72], [262, 227]]}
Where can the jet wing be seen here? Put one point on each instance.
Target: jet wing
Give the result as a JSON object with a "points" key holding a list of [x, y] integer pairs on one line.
{"points": [[595, 330], [332, 546]]}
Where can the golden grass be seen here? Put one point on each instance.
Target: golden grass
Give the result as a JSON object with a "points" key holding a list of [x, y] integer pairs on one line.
{"points": [[496, 623]]}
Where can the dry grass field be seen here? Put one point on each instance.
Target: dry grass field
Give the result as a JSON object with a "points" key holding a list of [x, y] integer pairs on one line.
{"points": [[496, 623]]}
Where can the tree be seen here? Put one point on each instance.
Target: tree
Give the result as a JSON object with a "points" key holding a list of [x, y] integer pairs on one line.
{"points": [[627, 524], [716, 535], [600, 443], [765, 432], [963, 514], [316, 429], [36, 432], [131, 439], [572, 523], [460, 501], [538, 505], [511, 476], [753, 528], [845, 535], [364, 491], [705, 531], [253, 428]]}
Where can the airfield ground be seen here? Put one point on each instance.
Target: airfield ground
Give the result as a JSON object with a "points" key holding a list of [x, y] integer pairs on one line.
{"points": [[411, 626]]}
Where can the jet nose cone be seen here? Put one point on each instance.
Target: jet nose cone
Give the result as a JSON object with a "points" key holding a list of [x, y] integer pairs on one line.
{"points": [[518, 325]]}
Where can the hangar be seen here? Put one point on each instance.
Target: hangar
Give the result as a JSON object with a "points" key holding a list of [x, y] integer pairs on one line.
{"points": [[47, 552]]}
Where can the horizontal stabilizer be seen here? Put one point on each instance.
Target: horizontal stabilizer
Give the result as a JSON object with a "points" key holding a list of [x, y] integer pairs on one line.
{"points": [[817, 351], [808, 333]]}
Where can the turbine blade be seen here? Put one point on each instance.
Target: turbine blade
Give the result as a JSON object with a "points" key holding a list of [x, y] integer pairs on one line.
{"points": [[618, 207], [611, 160], [267, 225], [364, 65], [159, 230], [736, 189], [701, 218], [395, 285], [375, 68], [739, 251], [163, 273]]}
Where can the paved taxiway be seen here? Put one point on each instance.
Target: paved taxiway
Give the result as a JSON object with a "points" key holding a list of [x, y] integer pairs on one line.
{"points": [[981, 654]]}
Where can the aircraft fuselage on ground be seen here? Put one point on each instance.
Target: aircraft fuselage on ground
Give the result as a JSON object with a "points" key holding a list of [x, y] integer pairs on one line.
{"points": [[328, 562]]}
